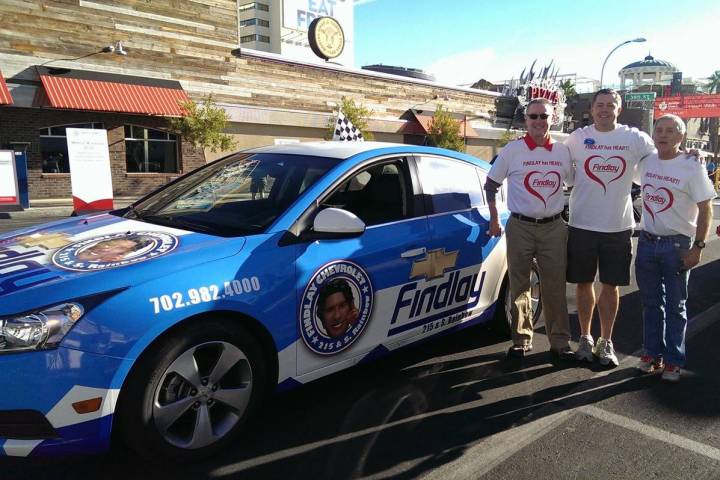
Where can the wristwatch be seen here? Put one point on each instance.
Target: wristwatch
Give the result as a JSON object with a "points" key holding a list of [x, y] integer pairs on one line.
{"points": [[699, 244]]}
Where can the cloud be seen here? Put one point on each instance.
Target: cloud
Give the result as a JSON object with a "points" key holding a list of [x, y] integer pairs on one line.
{"points": [[357, 3]]}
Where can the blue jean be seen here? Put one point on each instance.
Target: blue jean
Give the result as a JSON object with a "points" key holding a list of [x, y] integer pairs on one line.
{"points": [[663, 284]]}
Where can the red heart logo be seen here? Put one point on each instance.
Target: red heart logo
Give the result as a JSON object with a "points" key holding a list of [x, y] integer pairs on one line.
{"points": [[539, 184], [656, 200], [605, 170]]}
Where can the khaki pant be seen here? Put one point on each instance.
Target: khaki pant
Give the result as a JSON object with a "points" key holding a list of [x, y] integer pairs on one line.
{"points": [[547, 243]]}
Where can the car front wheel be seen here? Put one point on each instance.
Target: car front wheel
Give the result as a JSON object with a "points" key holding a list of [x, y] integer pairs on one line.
{"points": [[191, 394]]}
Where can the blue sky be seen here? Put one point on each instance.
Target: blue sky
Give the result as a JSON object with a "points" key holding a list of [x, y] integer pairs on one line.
{"points": [[461, 41]]}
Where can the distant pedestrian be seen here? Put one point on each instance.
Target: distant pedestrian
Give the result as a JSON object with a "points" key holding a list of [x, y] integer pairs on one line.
{"points": [[711, 167], [677, 202]]}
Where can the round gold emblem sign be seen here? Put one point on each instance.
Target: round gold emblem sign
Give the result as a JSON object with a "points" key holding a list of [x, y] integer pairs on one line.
{"points": [[326, 37]]}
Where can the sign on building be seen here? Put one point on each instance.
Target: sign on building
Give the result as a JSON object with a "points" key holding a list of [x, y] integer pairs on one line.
{"points": [[90, 176], [695, 106], [9, 192]]}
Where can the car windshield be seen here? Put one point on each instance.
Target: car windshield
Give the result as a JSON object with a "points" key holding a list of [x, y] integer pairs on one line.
{"points": [[239, 195]]}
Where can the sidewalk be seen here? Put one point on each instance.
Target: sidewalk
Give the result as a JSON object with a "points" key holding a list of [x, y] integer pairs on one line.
{"points": [[57, 207]]}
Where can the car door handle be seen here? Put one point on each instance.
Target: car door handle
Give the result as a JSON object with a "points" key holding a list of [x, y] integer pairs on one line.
{"points": [[414, 252]]}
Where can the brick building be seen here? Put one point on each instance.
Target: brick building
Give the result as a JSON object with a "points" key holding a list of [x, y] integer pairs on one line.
{"points": [[189, 48]]}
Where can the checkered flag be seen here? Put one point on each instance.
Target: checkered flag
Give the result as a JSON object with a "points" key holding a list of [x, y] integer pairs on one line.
{"points": [[345, 131]]}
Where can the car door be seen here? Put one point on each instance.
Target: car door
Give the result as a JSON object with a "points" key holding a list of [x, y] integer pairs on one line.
{"points": [[463, 264], [347, 287]]}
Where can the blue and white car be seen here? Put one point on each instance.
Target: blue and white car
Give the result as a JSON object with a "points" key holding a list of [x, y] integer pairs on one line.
{"points": [[167, 322]]}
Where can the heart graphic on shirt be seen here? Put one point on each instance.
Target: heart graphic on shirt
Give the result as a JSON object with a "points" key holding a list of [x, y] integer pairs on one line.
{"points": [[605, 170], [656, 200], [542, 185]]}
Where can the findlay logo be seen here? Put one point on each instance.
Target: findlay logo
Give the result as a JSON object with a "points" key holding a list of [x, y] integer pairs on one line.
{"points": [[439, 296], [542, 186], [603, 170], [434, 264], [656, 200], [336, 307], [114, 250]]}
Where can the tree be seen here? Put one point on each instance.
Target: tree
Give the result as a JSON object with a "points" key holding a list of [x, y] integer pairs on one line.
{"points": [[507, 137], [445, 131], [713, 124], [359, 115], [568, 87], [203, 125]]}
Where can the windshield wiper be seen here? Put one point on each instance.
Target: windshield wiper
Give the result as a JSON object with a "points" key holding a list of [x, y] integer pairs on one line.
{"points": [[137, 214]]}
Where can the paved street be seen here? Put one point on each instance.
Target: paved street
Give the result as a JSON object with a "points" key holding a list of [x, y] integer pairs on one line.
{"points": [[454, 408]]}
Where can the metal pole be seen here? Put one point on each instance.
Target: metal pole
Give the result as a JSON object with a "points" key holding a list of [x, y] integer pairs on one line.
{"points": [[602, 70]]}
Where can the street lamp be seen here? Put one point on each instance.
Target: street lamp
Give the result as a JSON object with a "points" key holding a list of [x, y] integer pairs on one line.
{"points": [[602, 71]]}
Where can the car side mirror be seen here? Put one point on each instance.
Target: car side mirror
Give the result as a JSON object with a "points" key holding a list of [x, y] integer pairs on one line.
{"points": [[339, 222]]}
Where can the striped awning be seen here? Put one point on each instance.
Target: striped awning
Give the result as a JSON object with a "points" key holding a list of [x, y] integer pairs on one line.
{"points": [[5, 98], [120, 94]]}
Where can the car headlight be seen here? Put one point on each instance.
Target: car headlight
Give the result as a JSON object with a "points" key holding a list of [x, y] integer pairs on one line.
{"points": [[38, 330]]}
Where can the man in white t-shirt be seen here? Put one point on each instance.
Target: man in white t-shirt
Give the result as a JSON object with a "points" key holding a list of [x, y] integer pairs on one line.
{"points": [[677, 207], [606, 156], [535, 168]]}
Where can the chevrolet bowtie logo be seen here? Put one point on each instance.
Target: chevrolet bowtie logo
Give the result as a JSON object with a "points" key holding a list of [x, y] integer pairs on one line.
{"points": [[434, 264]]}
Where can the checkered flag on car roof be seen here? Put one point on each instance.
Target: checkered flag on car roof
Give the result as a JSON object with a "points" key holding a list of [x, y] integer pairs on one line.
{"points": [[345, 131]]}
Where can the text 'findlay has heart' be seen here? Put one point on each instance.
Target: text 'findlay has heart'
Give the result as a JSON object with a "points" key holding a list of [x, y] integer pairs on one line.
{"points": [[603, 170]]}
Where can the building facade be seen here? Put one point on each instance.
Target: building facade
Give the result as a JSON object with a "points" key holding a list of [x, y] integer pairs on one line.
{"points": [[61, 63]]}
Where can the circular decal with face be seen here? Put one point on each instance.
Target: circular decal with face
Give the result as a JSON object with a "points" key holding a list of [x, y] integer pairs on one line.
{"points": [[114, 250], [336, 307]]}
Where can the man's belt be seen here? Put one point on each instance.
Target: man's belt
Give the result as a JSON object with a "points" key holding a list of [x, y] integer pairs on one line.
{"points": [[535, 220]]}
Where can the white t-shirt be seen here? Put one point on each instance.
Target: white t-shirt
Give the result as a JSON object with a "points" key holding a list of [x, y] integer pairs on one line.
{"points": [[671, 190], [605, 165], [535, 177]]}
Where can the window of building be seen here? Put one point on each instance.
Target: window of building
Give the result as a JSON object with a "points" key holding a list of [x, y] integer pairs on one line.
{"points": [[53, 146], [254, 6], [247, 38], [263, 38], [254, 21], [150, 151]]}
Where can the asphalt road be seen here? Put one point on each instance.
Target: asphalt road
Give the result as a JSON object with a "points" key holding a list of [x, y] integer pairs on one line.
{"points": [[454, 408]]}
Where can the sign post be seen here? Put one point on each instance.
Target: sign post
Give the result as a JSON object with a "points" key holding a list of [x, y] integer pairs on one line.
{"points": [[9, 191], [90, 176]]}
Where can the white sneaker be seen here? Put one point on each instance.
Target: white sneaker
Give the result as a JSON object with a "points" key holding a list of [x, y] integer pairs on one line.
{"points": [[671, 373], [606, 353], [584, 352]]}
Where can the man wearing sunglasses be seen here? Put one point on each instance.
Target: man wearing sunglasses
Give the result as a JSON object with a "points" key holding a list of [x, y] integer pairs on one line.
{"points": [[606, 155], [535, 168]]}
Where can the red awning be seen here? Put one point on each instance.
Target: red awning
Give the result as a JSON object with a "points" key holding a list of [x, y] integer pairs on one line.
{"points": [[5, 98], [105, 96]]}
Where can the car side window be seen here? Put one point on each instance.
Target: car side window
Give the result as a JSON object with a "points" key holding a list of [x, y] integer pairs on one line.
{"points": [[377, 194], [452, 185]]}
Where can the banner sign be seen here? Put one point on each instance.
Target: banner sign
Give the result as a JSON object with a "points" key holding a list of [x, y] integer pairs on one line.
{"points": [[90, 176], [9, 192], [695, 106]]}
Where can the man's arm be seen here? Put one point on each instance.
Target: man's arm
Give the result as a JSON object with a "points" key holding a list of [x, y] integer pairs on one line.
{"points": [[705, 212], [491, 189]]}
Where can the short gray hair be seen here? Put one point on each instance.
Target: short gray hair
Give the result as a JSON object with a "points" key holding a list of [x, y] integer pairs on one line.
{"points": [[679, 124]]}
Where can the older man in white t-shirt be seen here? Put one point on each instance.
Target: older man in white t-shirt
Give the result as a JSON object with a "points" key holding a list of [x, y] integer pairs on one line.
{"points": [[606, 155], [535, 168], [677, 208]]}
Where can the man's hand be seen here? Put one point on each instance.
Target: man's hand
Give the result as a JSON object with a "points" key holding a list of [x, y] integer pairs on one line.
{"points": [[695, 153], [494, 229], [691, 258]]}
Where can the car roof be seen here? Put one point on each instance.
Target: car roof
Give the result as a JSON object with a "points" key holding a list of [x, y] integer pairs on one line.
{"points": [[324, 149]]}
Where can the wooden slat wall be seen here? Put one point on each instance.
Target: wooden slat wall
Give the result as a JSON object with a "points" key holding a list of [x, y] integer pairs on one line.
{"points": [[190, 41]]}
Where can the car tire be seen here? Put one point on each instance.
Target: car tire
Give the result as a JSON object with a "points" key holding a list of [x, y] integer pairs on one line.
{"points": [[502, 321], [165, 415]]}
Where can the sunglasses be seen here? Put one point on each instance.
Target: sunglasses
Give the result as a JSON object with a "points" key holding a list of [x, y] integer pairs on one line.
{"points": [[534, 116]]}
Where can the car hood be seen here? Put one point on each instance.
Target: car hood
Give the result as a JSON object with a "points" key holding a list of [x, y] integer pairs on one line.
{"points": [[84, 256]]}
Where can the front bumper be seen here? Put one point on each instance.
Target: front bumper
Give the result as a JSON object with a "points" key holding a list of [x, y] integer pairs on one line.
{"points": [[37, 416]]}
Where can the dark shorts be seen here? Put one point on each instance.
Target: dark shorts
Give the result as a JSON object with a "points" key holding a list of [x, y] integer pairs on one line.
{"points": [[589, 251]]}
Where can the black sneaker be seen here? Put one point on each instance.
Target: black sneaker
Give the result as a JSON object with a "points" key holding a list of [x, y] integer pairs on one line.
{"points": [[565, 354], [518, 351]]}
